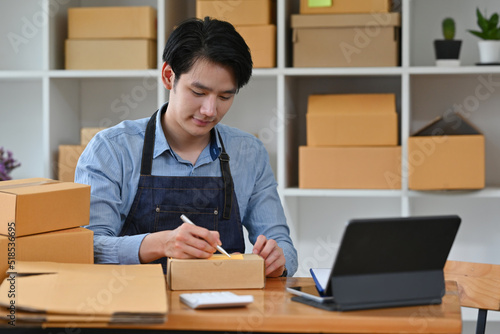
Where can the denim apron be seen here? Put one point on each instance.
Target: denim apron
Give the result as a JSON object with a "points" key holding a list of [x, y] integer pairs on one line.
{"points": [[208, 201]]}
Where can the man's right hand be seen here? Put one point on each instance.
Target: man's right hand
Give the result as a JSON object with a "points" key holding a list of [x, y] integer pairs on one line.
{"points": [[185, 242]]}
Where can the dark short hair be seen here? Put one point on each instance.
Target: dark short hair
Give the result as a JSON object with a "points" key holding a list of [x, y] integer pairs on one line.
{"points": [[210, 39]]}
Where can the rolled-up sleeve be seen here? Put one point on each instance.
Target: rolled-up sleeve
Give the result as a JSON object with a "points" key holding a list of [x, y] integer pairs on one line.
{"points": [[264, 212]]}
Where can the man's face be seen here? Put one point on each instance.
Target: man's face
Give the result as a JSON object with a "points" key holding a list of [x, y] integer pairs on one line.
{"points": [[200, 98]]}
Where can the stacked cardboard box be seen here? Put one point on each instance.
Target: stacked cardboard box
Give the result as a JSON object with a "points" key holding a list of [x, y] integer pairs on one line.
{"points": [[345, 33], [69, 154], [352, 143], [448, 153], [40, 220], [253, 19], [111, 38]]}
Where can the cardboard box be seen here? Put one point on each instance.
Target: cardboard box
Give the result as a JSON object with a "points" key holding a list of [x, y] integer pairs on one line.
{"points": [[352, 120], [86, 134], [448, 153], [242, 12], [262, 43], [112, 22], [75, 245], [344, 6], [90, 292], [346, 40], [42, 205], [246, 271], [110, 54], [67, 161], [350, 167]]}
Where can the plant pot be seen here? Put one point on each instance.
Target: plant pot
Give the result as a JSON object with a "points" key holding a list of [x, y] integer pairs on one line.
{"points": [[489, 51], [447, 52]]}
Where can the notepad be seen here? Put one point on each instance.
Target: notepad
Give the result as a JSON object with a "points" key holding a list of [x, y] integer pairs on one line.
{"points": [[224, 257], [321, 277]]}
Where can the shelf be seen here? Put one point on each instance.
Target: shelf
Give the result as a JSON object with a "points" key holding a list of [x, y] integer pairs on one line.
{"points": [[488, 192], [265, 72], [341, 192], [104, 73], [261, 72], [430, 70], [21, 75], [355, 71]]}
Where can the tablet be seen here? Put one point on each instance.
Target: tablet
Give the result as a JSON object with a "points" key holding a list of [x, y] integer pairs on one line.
{"points": [[309, 292]]}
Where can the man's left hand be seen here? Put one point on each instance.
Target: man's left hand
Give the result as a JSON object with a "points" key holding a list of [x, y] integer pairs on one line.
{"points": [[272, 254]]}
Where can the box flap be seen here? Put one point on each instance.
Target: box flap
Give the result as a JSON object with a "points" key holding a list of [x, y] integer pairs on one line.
{"points": [[36, 186], [349, 103], [345, 20], [450, 125], [62, 288]]}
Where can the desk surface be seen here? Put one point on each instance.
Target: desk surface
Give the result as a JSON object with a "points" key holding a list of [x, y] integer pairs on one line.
{"points": [[273, 311]]}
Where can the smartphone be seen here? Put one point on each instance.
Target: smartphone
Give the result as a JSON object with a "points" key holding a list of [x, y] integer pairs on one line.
{"points": [[309, 291]]}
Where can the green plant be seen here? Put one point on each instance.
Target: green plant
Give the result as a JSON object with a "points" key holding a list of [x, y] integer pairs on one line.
{"points": [[448, 28], [489, 27]]}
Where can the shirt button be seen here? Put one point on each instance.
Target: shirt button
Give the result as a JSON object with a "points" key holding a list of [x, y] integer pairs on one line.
{"points": [[216, 212], [157, 209]]}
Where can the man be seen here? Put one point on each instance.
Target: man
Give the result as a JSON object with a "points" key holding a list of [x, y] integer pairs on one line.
{"points": [[144, 174]]}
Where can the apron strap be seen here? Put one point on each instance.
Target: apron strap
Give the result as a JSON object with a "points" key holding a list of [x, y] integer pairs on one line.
{"points": [[149, 144], [228, 181]]}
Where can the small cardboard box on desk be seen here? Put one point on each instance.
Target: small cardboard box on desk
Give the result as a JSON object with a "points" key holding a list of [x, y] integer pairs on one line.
{"points": [[241, 271], [448, 153]]}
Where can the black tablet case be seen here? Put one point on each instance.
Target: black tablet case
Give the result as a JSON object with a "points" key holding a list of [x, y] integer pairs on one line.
{"points": [[389, 262]]}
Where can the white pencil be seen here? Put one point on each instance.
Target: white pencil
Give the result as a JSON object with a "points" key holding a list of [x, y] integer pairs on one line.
{"points": [[219, 248]]}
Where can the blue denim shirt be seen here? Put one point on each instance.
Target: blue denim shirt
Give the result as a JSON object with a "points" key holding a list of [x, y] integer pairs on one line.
{"points": [[111, 165]]}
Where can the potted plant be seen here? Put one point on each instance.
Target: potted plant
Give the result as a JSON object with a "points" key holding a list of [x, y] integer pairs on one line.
{"points": [[489, 45], [7, 164], [448, 49]]}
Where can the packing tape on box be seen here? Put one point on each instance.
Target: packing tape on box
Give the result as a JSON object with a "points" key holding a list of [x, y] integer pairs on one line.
{"points": [[29, 184]]}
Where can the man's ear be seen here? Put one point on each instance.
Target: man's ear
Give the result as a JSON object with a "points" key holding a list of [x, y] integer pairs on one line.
{"points": [[167, 76]]}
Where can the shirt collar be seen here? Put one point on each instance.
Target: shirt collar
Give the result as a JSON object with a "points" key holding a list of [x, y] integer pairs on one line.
{"points": [[161, 144]]}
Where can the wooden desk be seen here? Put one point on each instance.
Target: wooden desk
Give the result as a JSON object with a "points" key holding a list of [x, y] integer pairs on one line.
{"points": [[273, 311]]}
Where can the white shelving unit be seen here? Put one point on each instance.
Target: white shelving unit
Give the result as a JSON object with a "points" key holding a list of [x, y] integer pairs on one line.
{"points": [[44, 106]]}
